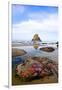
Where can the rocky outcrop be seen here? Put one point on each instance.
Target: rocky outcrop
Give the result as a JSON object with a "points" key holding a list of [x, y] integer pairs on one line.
{"points": [[17, 52], [36, 67], [36, 38]]}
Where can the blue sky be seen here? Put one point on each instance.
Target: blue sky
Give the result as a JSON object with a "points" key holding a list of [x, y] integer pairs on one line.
{"points": [[28, 20]]}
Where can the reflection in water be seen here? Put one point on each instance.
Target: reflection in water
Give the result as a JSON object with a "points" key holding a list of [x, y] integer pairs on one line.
{"points": [[36, 46]]}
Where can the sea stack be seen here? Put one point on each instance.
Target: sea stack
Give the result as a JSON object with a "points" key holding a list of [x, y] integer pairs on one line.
{"points": [[36, 38]]}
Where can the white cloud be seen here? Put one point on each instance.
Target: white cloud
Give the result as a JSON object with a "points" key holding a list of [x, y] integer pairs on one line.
{"points": [[47, 24], [40, 16], [32, 26]]}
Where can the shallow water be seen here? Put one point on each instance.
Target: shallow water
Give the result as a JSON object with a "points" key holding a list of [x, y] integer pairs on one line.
{"points": [[36, 52]]}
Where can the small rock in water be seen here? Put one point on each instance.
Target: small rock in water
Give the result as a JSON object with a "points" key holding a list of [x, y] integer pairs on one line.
{"points": [[18, 52], [47, 49]]}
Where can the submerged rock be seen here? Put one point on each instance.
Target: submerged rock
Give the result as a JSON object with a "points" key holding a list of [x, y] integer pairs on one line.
{"points": [[47, 49], [17, 60], [17, 52]]}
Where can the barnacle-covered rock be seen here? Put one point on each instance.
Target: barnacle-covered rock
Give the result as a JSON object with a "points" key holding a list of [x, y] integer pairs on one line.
{"points": [[36, 67]]}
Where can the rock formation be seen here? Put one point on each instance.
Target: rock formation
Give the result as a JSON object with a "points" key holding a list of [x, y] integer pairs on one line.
{"points": [[47, 49], [17, 52], [36, 67], [36, 38]]}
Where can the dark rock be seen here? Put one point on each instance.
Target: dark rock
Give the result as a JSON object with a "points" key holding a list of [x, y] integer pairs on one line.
{"points": [[47, 49]]}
